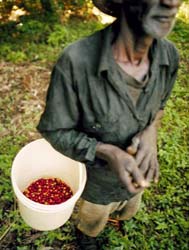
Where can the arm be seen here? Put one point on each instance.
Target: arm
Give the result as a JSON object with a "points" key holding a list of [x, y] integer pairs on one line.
{"points": [[74, 144], [59, 122]]}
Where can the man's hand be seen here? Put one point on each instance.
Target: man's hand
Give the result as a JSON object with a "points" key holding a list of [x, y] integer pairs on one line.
{"points": [[144, 145], [124, 165], [146, 156]]}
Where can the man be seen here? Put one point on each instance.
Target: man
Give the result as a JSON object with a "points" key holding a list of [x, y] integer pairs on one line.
{"points": [[104, 103]]}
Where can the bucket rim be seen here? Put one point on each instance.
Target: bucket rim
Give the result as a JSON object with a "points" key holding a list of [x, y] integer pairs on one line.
{"points": [[48, 208]]}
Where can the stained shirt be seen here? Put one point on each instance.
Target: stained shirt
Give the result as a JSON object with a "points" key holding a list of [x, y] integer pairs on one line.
{"points": [[88, 102]]}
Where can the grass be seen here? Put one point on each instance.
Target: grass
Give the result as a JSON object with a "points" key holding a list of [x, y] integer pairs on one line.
{"points": [[161, 222], [39, 40]]}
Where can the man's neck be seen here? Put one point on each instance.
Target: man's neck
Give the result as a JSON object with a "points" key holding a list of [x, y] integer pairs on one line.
{"points": [[130, 47]]}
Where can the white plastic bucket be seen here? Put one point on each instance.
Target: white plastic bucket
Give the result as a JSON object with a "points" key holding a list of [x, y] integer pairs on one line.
{"points": [[37, 160]]}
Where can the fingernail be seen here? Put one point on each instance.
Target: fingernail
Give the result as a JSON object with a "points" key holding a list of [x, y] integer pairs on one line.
{"points": [[144, 184], [156, 181]]}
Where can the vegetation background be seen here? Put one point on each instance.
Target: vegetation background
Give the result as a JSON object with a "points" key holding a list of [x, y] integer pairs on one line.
{"points": [[33, 34]]}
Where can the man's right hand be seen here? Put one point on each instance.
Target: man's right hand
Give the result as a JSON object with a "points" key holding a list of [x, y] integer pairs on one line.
{"points": [[124, 165]]}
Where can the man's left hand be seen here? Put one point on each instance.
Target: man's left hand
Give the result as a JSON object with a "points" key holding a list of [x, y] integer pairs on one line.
{"points": [[144, 147], [146, 155]]}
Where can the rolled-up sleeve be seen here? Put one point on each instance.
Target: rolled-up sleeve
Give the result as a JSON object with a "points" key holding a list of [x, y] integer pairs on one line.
{"points": [[59, 123]]}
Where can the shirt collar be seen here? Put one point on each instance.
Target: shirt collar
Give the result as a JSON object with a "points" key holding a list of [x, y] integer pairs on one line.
{"points": [[159, 51], [105, 50]]}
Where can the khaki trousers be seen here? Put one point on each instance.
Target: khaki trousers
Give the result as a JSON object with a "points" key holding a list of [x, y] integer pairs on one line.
{"points": [[92, 218]]}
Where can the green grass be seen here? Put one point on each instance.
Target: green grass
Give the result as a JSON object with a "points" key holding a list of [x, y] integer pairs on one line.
{"points": [[36, 40], [162, 221]]}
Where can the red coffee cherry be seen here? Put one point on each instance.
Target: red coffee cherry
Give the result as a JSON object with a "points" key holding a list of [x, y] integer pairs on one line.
{"points": [[48, 191]]}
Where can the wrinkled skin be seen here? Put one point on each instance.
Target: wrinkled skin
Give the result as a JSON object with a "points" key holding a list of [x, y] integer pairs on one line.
{"points": [[146, 155]]}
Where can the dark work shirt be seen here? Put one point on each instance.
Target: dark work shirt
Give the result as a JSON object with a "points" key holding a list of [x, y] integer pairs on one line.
{"points": [[88, 102]]}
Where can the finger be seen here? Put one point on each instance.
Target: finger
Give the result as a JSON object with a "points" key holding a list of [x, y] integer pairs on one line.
{"points": [[129, 185], [151, 171], [156, 174], [140, 156], [144, 166], [132, 149], [138, 177]]}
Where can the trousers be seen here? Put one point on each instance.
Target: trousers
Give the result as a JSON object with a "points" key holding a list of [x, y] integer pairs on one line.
{"points": [[92, 218]]}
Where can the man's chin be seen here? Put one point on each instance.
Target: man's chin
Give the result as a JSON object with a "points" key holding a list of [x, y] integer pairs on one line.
{"points": [[159, 32]]}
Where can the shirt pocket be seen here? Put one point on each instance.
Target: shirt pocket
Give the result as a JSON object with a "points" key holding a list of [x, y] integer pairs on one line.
{"points": [[103, 128]]}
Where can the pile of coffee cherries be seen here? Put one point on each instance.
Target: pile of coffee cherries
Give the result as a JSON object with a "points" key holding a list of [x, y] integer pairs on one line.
{"points": [[48, 191]]}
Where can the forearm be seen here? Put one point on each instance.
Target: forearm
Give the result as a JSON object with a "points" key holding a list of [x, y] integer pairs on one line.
{"points": [[157, 120], [156, 123], [72, 143]]}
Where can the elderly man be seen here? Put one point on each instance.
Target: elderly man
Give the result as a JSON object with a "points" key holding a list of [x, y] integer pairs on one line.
{"points": [[104, 103]]}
